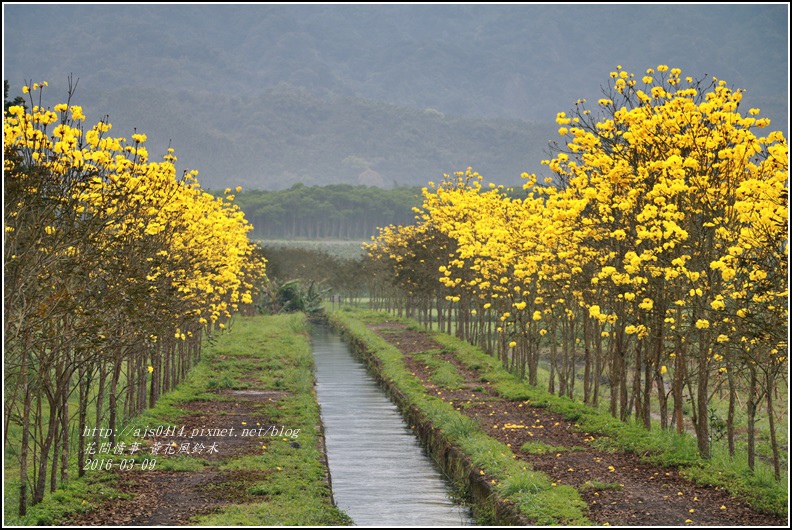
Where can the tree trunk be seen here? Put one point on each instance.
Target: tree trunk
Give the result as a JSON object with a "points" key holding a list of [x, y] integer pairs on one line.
{"points": [[100, 400], [771, 419], [732, 407], [83, 385], [553, 362], [587, 358], [23, 452], [637, 396], [702, 400], [753, 399], [113, 405], [678, 387], [52, 425], [65, 447], [649, 369]]}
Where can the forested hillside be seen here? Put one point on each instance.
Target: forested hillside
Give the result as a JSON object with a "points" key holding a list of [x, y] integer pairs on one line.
{"points": [[338, 211]]}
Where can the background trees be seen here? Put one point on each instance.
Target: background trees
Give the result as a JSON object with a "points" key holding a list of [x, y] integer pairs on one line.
{"points": [[338, 211]]}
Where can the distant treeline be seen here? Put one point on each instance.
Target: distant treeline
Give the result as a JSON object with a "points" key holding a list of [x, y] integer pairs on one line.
{"points": [[339, 211]]}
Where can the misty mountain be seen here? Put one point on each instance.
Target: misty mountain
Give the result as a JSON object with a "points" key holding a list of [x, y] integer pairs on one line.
{"points": [[274, 94], [286, 135]]}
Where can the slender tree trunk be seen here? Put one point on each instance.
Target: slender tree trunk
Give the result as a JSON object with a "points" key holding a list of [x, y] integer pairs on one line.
{"points": [[533, 363], [587, 360], [771, 418], [83, 385], [702, 421], [678, 385], [142, 372], [553, 362], [155, 363], [55, 460], [732, 407], [619, 386], [569, 356], [65, 446], [113, 405], [649, 370], [52, 426], [100, 395], [26, 405], [662, 398], [753, 399], [637, 397], [129, 396], [598, 364], [166, 360]]}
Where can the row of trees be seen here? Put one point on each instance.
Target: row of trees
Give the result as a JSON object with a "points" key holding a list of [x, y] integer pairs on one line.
{"points": [[113, 268], [338, 211], [341, 275], [656, 256]]}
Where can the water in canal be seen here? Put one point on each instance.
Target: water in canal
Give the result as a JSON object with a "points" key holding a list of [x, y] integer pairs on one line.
{"points": [[380, 473]]}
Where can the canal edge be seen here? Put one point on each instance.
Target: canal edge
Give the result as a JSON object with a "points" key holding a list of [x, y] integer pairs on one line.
{"points": [[488, 507]]}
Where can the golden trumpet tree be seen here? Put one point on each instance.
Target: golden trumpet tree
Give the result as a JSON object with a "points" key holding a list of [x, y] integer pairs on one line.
{"points": [[659, 248], [113, 266]]}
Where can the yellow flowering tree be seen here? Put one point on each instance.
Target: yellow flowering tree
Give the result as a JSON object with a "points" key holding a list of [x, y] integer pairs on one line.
{"points": [[113, 267], [666, 166], [661, 239]]}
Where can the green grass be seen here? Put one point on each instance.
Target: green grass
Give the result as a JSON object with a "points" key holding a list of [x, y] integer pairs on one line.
{"points": [[81, 496], [287, 486], [294, 492], [541, 448], [442, 374]]}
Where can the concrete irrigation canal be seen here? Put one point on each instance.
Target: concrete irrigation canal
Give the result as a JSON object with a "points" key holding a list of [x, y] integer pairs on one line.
{"points": [[380, 473]]}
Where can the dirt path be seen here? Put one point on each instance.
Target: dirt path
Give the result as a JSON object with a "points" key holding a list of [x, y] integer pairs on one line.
{"points": [[169, 498], [618, 488]]}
